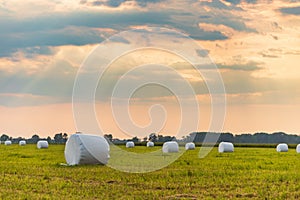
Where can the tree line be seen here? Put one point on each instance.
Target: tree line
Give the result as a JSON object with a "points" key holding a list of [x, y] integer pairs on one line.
{"points": [[197, 137], [59, 138], [211, 137]]}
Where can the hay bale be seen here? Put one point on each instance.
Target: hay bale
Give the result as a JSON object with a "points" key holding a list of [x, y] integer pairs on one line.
{"points": [[150, 144], [42, 144], [190, 146], [170, 147], [283, 147], [129, 144], [7, 142], [86, 149], [298, 148], [22, 142], [225, 147]]}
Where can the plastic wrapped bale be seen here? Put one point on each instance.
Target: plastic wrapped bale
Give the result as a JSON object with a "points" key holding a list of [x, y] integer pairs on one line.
{"points": [[150, 144], [129, 144], [190, 146], [7, 142], [282, 147], [170, 147], [298, 148], [22, 142], [42, 144], [225, 147], [86, 149]]}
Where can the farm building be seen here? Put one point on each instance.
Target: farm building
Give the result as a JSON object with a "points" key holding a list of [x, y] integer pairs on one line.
{"points": [[86, 149]]}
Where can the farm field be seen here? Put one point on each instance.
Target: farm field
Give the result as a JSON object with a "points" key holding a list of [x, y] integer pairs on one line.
{"points": [[248, 173]]}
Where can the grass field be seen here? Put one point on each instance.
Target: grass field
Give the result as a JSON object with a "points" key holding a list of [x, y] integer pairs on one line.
{"points": [[256, 173]]}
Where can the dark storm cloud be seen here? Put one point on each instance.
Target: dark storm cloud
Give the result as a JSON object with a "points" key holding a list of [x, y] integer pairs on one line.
{"points": [[77, 28]]}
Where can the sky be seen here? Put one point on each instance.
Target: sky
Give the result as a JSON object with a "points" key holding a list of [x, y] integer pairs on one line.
{"points": [[254, 44]]}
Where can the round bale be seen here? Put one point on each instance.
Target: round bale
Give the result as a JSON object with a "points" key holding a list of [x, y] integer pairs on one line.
{"points": [[298, 148], [282, 147], [22, 142], [86, 149], [42, 144], [225, 147], [7, 142], [190, 146], [150, 144], [170, 147], [129, 144]]}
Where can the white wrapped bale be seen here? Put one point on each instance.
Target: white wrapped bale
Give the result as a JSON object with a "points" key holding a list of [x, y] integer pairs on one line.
{"points": [[42, 144], [170, 147], [298, 148], [22, 142], [129, 144], [150, 144], [190, 146], [7, 142], [225, 147], [282, 147], [86, 149]]}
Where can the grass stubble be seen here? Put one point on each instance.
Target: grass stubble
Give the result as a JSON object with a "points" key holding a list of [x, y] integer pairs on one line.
{"points": [[248, 173]]}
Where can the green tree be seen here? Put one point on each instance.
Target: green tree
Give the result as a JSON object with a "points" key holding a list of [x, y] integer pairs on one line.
{"points": [[109, 137], [65, 137], [4, 137], [35, 138], [58, 138]]}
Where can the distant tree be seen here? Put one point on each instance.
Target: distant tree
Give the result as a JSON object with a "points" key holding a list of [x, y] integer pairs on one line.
{"points": [[49, 139], [109, 137], [65, 137], [35, 138], [153, 137], [58, 138], [145, 139], [162, 138], [135, 139], [4, 137]]}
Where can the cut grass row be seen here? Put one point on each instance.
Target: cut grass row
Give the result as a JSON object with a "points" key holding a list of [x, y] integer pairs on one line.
{"points": [[256, 173]]}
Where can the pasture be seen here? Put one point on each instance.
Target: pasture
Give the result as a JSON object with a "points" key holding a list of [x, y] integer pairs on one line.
{"points": [[256, 173]]}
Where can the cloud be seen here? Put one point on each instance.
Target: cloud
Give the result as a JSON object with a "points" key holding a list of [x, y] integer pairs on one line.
{"points": [[117, 3], [19, 99], [235, 2], [250, 66], [37, 41], [55, 82], [291, 10], [78, 27]]}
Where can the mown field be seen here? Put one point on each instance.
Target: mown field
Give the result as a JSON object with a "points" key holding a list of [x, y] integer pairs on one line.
{"points": [[256, 173]]}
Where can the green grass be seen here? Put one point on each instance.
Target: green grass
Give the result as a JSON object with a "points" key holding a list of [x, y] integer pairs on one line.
{"points": [[256, 173]]}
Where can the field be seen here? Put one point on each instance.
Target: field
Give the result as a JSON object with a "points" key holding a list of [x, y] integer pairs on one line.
{"points": [[256, 173]]}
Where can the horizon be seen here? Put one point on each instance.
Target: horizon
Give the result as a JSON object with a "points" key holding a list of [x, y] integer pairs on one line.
{"points": [[45, 44], [157, 134]]}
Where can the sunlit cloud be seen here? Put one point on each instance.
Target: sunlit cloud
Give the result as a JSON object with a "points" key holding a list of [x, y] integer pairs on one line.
{"points": [[255, 45]]}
